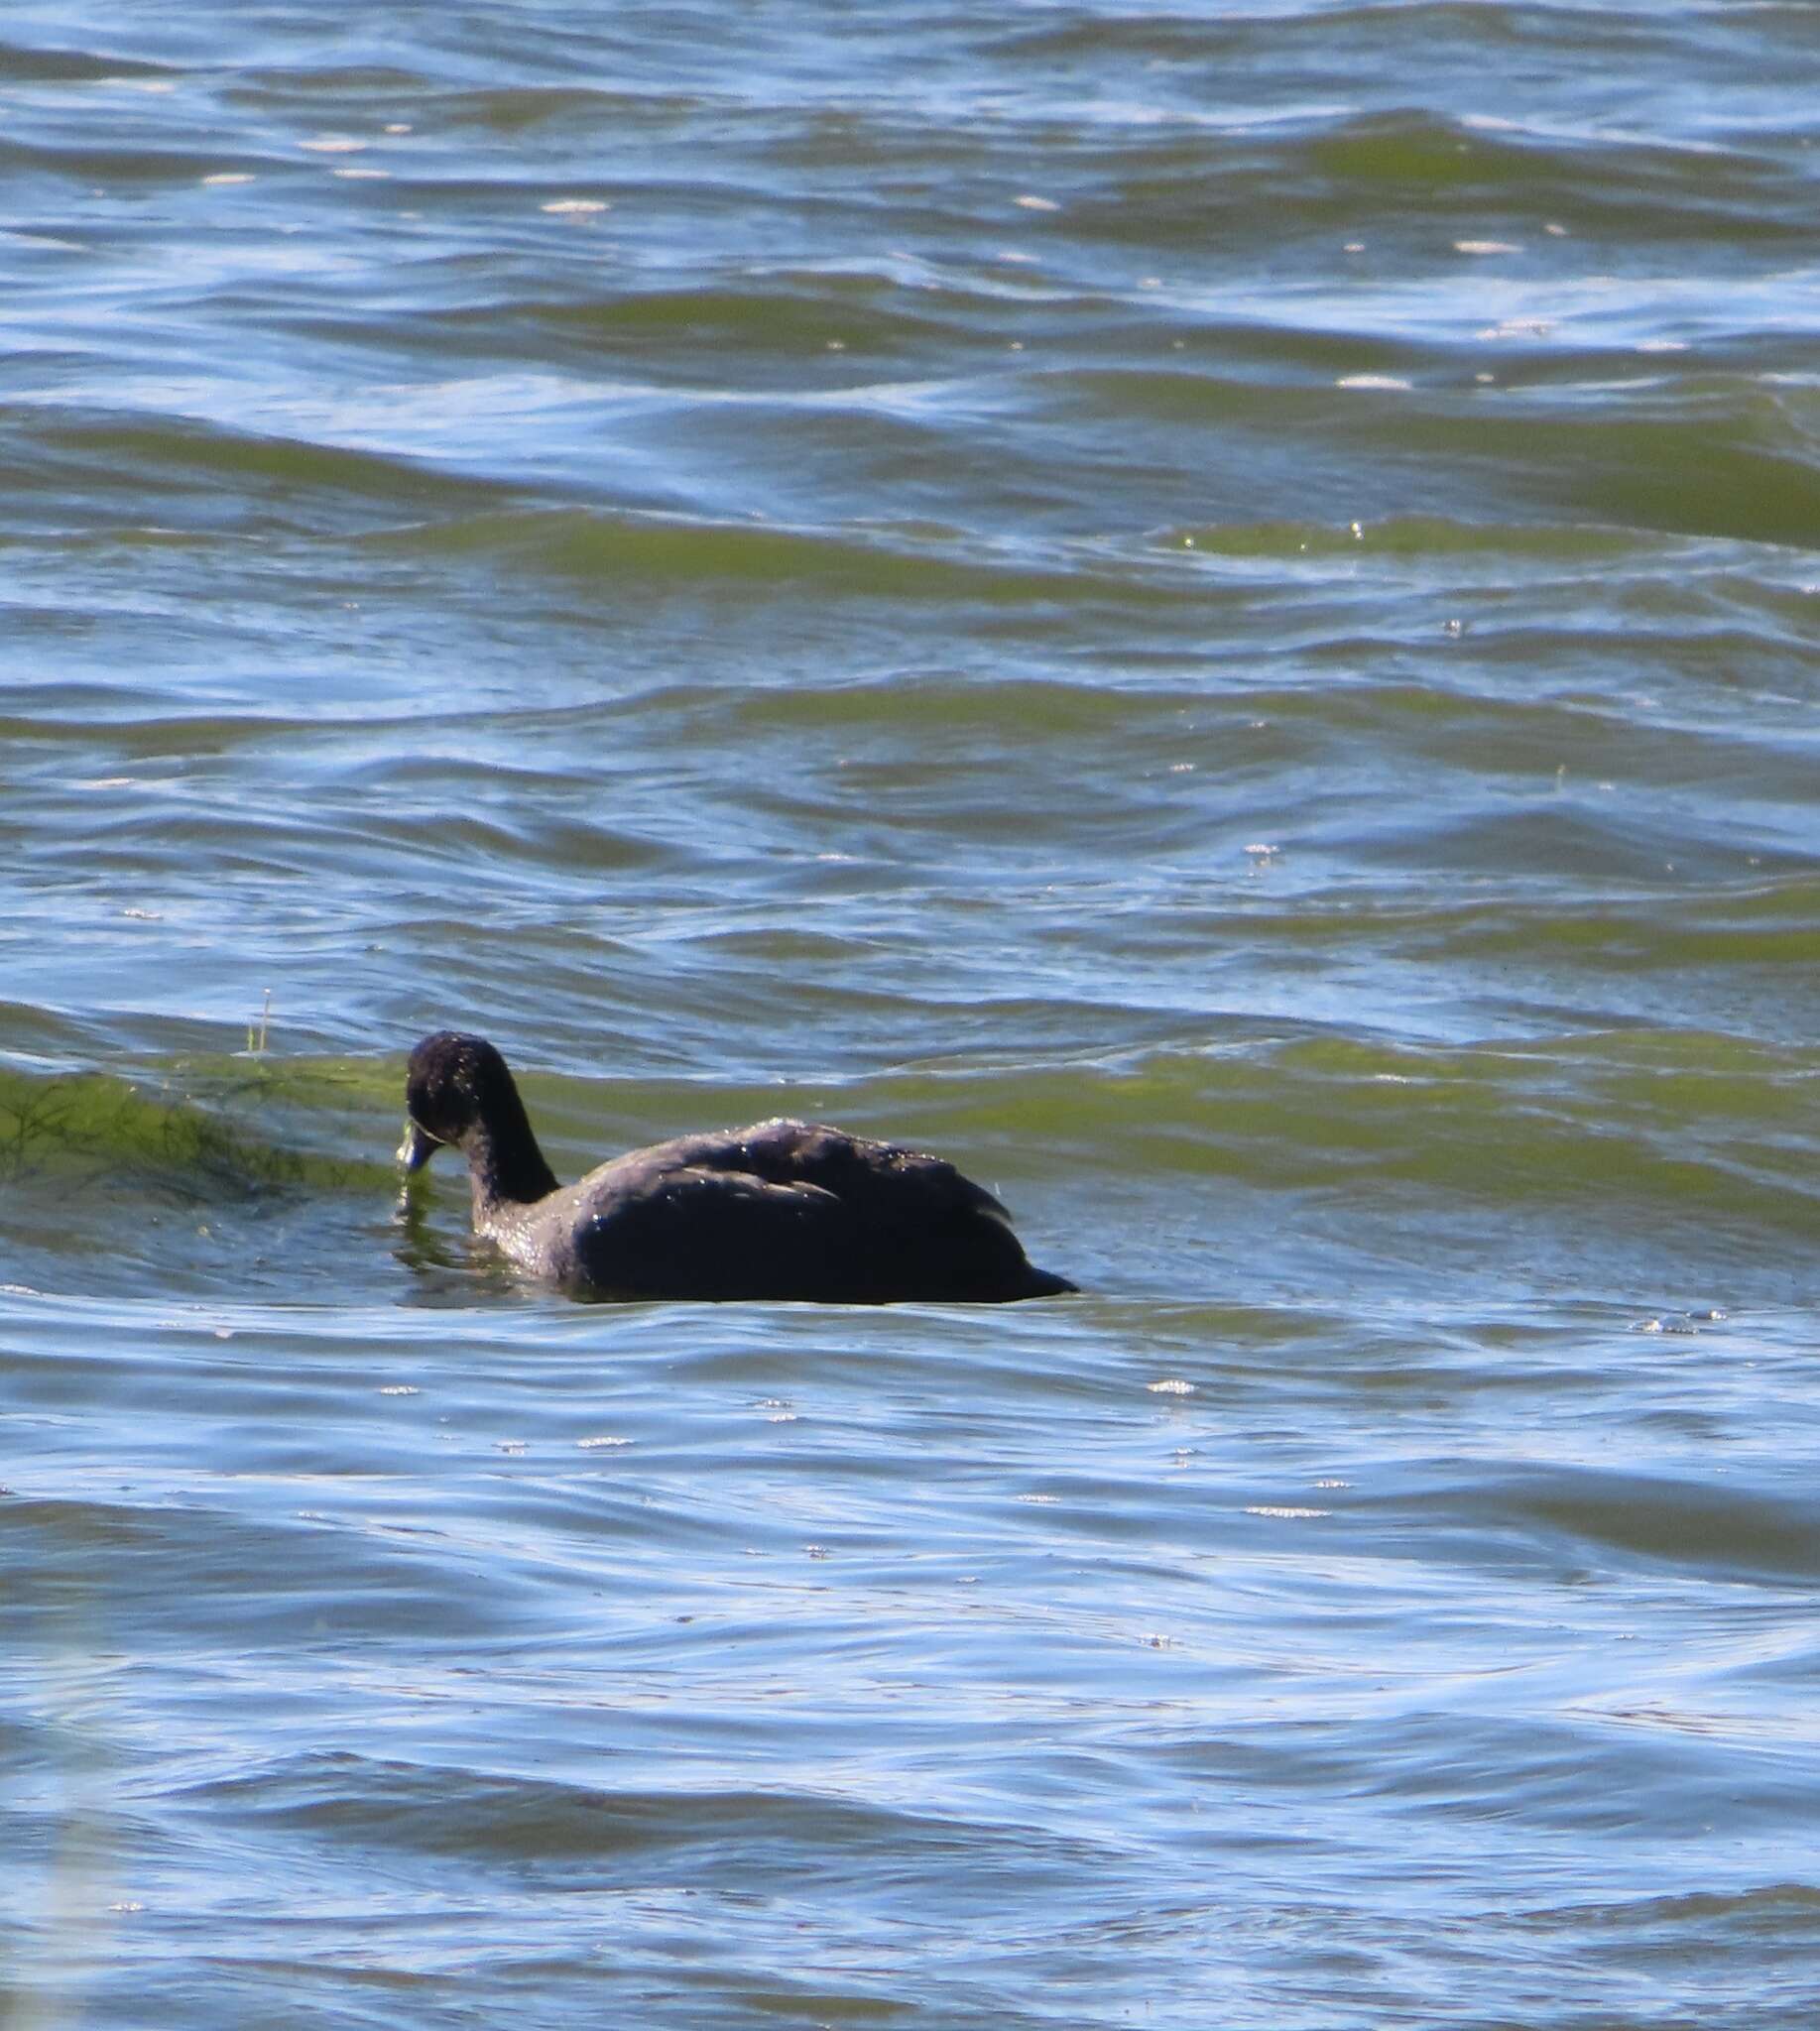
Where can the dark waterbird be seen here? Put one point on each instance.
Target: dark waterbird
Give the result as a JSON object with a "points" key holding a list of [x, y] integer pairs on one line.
{"points": [[779, 1210]]}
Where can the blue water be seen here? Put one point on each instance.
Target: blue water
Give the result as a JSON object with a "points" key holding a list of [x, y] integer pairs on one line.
{"points": [[1207, 611]]}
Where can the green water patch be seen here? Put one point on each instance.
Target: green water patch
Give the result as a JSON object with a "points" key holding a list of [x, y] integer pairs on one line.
{"points": [[1764, 924], [971, 703], [21, 64], [1585, 179], [1409, 536], [649, 552], [858, 314], [516, 108], [1630, 1125], [184, 458], [193, 1136], [1711, 461]]}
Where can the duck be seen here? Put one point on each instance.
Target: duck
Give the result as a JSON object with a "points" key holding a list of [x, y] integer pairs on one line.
{"points": [[781, 1210]]}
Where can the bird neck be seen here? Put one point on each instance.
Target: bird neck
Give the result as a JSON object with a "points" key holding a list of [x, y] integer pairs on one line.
{"points": [[505, 1164]]}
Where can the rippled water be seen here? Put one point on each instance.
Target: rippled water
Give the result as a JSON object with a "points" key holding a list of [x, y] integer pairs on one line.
{"points": [[1209, 611]]}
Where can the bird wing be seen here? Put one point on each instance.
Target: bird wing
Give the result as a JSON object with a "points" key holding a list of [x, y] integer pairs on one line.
{"points": [[716, 1233], [788, 1209], [857, 1169]]}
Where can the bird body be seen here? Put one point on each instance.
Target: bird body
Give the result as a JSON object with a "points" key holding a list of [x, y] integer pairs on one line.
{"points": [[783, 1209]]}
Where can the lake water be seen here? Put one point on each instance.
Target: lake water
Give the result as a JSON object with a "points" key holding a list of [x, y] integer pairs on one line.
{"points": [[1210, 611]]}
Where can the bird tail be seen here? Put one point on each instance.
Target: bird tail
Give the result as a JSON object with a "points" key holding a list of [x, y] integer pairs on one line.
{"points": [[1046, 1284]]}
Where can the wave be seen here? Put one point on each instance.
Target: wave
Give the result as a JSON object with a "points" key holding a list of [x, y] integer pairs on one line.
{"points": [[64, 1131]]}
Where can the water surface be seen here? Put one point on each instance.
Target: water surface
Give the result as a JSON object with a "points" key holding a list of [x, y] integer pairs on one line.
{"points": [[1209, 611]]}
